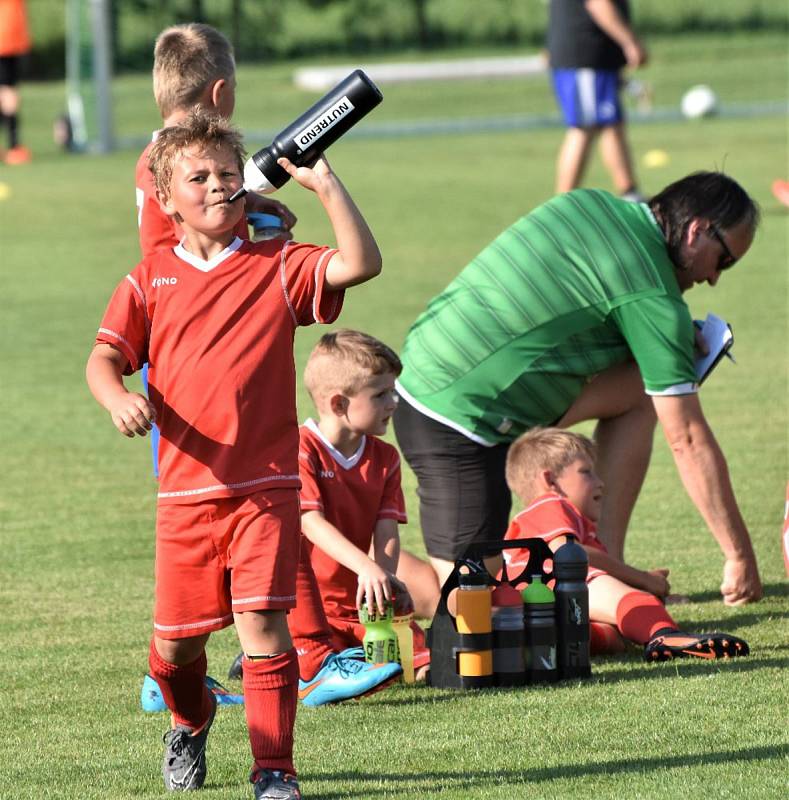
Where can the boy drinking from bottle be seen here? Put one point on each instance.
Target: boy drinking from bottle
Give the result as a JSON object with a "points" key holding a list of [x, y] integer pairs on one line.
{"points": [[193, 68], [215, 317], [552, 472], [351, 500]]}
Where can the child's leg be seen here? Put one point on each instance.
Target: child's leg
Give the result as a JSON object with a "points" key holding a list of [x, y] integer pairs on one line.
{"points": [[179, 667], [605, 639], [638, 615], [422, 584], [307, 622], [270, 677]]}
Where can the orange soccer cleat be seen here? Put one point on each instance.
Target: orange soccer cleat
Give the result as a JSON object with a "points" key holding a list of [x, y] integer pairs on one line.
{"points": [[781, 191], [18, 155]]}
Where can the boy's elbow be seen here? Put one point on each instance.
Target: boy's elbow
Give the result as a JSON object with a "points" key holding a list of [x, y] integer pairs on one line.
{"points": [[375, 266]]}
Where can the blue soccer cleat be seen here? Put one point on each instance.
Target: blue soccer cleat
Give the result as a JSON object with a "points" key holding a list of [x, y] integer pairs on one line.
{"points": [[346, 675], [151, 695]]}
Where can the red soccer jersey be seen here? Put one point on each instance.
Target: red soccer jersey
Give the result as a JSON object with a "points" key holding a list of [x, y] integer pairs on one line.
{"points": [[218, 336], [549, 517], [14, 30], [156, 228], [353, 494]]}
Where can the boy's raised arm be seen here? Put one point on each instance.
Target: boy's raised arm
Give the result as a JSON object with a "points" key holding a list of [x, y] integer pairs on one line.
{"points": [[359, 258], [131, 412]]}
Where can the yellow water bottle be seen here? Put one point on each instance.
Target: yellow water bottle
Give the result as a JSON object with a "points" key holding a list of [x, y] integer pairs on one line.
{"points": [[405, 643]]}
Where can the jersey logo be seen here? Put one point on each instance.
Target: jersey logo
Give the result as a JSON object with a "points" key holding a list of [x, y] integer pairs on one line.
{"points": [[327, 473], [157, 282]]}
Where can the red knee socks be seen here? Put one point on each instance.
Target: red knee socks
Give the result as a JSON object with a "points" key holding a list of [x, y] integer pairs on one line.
{"points": [[270, 692], [183, 688], [640, 615]]}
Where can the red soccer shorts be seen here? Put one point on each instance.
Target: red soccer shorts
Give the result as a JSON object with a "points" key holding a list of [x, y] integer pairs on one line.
{"points": [[224, 555]]}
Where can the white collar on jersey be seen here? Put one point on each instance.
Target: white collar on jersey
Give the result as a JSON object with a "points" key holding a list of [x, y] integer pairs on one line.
{"points": [[345, 463], [206, 266]]}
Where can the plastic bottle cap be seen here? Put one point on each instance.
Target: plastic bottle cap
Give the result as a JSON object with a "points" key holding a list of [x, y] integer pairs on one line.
{"points": [[506, 595], [258, 220], [473, 580]]}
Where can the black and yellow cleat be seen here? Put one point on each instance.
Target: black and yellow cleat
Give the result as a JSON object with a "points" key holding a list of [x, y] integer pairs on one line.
{"points": [[667, 645]]}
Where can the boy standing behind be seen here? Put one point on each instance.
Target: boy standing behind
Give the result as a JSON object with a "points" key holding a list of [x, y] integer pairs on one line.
{"points": [[215, 318], [351, 500], [552, 472], [193, 67]]}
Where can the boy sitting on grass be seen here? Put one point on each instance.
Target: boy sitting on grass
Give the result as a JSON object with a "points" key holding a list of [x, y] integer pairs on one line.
{"points": [[552, 472], [216, 317], [351, 500]]}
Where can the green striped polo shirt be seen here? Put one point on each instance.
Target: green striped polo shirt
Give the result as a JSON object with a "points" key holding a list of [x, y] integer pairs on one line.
{"points": [[581, 283]]}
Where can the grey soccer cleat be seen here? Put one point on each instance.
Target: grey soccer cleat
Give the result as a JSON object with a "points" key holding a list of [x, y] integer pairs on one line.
{"points": [[274, 784], [183, 766]]}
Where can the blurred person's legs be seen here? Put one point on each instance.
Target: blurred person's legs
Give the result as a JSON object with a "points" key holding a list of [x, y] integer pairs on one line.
{"points": [[615, 151], [572, 158], [9, 110], [590, 105]]}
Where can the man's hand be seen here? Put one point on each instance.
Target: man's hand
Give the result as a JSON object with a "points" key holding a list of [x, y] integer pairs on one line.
{"points": [[741, 582], [132, 413]]}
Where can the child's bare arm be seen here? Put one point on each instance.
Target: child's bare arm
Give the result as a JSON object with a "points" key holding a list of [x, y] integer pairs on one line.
{"points": [[359, 258], [654, 581], [131, 412], [385, 551], [374, 581]]}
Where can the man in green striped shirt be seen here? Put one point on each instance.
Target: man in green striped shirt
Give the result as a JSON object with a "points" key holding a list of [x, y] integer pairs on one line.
{"points": [[575, 312]]}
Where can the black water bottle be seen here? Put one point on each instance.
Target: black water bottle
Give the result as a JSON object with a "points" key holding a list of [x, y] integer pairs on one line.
{"points": [[570, 566], [304, 140], [539, 619]]}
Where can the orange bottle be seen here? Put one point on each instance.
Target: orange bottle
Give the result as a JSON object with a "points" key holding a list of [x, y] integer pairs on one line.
{"points": [[474, 617]]}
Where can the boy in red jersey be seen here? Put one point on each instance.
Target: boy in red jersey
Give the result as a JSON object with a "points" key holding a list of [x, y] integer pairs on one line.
{"points": [[193, 67], [552, 472], [215, 317], [351, 500]]}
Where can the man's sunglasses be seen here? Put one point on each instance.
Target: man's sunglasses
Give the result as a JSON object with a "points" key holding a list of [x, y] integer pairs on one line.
{"points": [[728, 258]]}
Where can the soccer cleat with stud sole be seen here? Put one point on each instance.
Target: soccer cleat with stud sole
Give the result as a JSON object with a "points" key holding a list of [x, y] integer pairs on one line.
{"points": [[668, 645]]}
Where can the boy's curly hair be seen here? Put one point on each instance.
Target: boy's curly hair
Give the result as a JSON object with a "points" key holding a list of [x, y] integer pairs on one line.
{"points": [[344, 360], [201, 132], [543, 449]]}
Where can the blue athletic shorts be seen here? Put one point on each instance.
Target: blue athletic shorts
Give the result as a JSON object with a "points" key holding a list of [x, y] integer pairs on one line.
{"points": [[588, 98]]}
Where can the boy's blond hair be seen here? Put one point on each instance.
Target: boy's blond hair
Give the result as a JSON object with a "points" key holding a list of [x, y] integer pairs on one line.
{"points": [[542, 449], [200, 131], [186, 60], [343, 361]]}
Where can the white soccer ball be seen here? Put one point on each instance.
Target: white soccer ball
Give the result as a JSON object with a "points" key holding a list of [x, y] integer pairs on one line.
{"points": [[699, 101]]}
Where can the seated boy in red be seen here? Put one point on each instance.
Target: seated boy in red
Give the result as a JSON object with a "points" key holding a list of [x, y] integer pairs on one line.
{"points": [[552, 472], [351, 500], [216, 317]]}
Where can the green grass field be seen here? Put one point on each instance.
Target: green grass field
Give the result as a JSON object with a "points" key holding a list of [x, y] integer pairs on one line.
{"points": [[77, 507]]}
